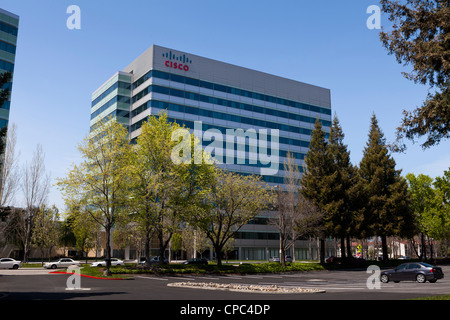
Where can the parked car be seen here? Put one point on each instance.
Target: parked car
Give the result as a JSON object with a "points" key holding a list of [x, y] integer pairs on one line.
{"points": [[415, 271], [157, 259], [274, 259], [62, 263], [196, 261], [114, 262], [143, 260], [9, 263], [350, 262], [288, 259]]}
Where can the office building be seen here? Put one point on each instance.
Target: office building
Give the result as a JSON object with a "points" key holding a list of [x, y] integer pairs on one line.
{"points": [[211, 97]]}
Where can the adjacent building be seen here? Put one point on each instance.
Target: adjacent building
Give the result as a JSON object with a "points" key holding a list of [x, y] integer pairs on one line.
{"points": [[247, 119], [9, 26]]}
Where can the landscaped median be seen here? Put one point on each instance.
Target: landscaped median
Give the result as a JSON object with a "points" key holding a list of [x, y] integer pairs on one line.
{"points": [[244, 268], [252, 288]]}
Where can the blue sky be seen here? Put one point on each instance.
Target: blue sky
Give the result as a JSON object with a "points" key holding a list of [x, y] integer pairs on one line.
{"points": [[325, 43]]}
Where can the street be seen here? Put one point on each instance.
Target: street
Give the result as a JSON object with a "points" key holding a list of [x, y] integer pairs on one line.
{"points": [[27, 284]]}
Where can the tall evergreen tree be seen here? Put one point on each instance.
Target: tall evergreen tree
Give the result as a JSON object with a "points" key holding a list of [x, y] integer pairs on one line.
{"points": [[315, 180], [340, 211], [387, 209], [420, 38]]}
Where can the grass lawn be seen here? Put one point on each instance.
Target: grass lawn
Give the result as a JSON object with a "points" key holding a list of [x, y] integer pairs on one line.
{"points": [[443, 297]]}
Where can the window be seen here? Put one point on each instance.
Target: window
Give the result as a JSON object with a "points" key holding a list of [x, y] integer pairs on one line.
{"points": [[8, 28], [7, 47], [413, 266]]}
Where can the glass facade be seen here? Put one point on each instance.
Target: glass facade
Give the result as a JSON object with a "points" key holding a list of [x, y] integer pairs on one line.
{"points": [[9, 27], [112, 100]]}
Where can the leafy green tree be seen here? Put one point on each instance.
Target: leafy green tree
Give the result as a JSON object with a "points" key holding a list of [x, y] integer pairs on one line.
{"points": [[163, 189], [423, 202], [85, 230], [316, 178], [231, 202], [387, 211], [420, 37], [99, 185], [68, 238], [46, 230], [176, 243], [441, 229]]}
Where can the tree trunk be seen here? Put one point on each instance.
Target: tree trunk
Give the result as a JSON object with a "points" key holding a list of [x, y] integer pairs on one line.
{"points": [[349, 247], [384, 247], [108, 251], [322, 251], [147, 251], [282, 258], [218, 255], [343, 253], [26, 247], [423, 251], [293, 251]]}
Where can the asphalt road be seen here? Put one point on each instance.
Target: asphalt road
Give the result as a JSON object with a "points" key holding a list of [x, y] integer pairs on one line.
{"points": [[38, 284]]}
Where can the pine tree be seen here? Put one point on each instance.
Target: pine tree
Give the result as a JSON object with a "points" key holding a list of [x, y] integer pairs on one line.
{"points": [[340, 211], [420, 38], [387, 211], [316, 176]]}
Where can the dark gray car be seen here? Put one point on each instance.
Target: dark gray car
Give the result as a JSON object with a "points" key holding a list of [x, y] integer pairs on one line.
{"points": [[413, 271]]}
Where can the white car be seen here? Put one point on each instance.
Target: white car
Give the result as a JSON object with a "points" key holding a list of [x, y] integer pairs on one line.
{"points": [[61, 263], [8, 263], [114, 262]]}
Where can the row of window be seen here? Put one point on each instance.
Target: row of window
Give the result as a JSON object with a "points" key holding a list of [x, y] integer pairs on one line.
{"points": [[7, 66], [110, 103], [118, 84], [227, 89], [231, 104], [257, 235], [7, 47], [8, 28], [190, 125], [220, 115]]}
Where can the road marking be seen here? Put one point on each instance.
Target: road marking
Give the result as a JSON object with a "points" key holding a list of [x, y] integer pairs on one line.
{"points": [[181, 278], [317, 280], [152, 278]]}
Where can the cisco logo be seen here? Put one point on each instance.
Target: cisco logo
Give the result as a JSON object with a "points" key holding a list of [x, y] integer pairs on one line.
{"points": [[176, 62]]}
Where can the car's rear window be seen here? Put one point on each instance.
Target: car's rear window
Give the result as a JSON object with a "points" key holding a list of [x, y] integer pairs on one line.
{"points": [[426, 265]]}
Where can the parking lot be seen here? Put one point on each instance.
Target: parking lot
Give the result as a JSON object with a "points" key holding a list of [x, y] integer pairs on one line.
{"points": [[38, 283]]}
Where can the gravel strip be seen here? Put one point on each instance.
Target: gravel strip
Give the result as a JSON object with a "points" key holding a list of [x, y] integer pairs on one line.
{"points": [[244, 287]]}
